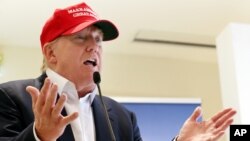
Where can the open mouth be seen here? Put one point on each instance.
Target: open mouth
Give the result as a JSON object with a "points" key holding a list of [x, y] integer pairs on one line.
{"points": [[91, 62]]}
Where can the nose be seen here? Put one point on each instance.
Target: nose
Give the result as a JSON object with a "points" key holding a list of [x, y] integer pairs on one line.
{"points": [[92, 45]]}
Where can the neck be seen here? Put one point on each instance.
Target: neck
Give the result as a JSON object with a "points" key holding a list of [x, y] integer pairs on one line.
{"points": [[85, 91]]}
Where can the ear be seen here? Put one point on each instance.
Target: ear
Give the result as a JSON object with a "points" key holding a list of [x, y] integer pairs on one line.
{"points": [[49, 53]]}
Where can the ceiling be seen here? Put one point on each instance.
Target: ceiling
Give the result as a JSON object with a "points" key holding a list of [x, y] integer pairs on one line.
{"points": [[21, 22]]}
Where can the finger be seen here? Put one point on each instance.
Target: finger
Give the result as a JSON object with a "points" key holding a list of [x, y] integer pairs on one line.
{"points": [[51, 98], [66, 120], [220, 114], [59, 106], [224, 126], [43, 93], [218, 136], [46, 86], [225, 117], [196, 114], [34, 92]]}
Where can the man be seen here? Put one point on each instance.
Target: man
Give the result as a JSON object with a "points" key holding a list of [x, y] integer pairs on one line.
{"points": [[62, 103]]}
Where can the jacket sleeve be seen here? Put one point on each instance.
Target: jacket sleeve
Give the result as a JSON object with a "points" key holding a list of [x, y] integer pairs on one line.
{"points": [[137, 134], [13, 126]]}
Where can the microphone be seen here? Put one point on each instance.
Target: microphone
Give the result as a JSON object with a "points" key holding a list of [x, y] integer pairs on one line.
{"points": [[97, 80]]}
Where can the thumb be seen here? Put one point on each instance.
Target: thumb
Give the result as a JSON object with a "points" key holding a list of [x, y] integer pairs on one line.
{"points": [[196, 114]]}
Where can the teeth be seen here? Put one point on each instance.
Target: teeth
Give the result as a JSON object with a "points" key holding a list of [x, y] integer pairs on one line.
{"points": [[90, 61]]}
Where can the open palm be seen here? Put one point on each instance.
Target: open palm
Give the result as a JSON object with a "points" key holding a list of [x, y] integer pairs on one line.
{"points": [[209, 130]]}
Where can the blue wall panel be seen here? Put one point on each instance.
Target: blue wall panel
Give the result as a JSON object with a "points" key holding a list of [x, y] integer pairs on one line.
{"points": [[160, 121]]}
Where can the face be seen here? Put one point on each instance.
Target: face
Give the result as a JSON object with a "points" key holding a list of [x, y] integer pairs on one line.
{"points": [[77, 56]]}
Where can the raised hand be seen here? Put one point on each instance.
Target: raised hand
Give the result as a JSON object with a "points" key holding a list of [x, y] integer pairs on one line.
{"points": [[49, 123], [209, 130]]}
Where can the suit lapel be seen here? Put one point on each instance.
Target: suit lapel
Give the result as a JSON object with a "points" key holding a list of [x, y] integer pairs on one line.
{"points": [[101, 125]]}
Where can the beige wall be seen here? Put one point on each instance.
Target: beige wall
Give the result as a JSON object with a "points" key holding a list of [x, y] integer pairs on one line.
{"points": [[131, 75], [134, 75], [20, 63]]}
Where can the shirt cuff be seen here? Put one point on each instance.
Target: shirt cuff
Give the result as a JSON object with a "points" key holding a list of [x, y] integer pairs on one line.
{"points": [[175, 138], [34, 132]]}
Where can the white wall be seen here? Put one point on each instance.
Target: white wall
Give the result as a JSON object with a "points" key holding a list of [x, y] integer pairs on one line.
{"points": [[233, 57]]}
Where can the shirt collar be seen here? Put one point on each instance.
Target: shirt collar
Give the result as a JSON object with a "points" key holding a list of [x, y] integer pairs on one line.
{"points": [[64, 84]]}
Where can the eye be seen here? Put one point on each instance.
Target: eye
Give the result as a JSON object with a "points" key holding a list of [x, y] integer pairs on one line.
{"points": [[80, 37], [98, 39]]}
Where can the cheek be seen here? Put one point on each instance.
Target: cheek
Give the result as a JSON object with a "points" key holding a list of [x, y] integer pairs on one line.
{"points": [[71, 54], [100, 61], [65, 60], [53, 60]]}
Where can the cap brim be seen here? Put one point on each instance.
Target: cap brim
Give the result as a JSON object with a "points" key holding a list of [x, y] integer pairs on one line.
{"points": [[109, 30]]}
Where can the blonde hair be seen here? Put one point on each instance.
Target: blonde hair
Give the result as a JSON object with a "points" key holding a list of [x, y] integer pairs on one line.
{"points": [[44, 66]]}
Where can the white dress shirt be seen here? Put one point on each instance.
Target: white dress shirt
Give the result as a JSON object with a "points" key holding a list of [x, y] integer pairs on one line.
{"points": [[83, 127]]}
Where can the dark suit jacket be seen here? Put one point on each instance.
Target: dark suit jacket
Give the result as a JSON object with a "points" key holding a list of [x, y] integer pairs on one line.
{"points": [[16, 115]]}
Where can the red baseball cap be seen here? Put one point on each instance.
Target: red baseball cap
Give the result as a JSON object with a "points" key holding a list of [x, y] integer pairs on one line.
{"points": [[74, 19]]}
